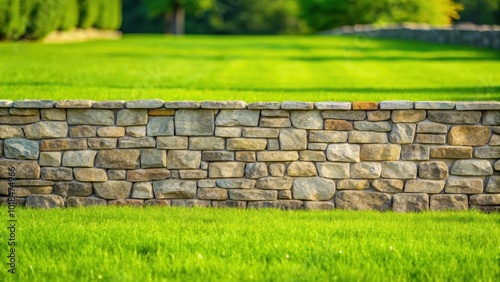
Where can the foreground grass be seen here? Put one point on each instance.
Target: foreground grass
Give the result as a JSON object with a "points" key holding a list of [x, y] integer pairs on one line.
{"points": [[248, 68], [154, 244]]}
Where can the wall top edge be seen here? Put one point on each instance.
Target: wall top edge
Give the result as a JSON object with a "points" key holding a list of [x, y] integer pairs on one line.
{"points": [[234, 104]]}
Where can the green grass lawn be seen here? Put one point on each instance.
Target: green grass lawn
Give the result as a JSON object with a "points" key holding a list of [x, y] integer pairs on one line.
{"points": [[248, 68], [166, 244]]}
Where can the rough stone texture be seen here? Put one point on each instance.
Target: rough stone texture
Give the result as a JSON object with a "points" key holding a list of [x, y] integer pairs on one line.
{"points": [[246, 144], [313, 188], [396, 105], [264, 106], [74, 104], [194, 122], [229, 204], [24, 169], [497, 165], [275, 113], [293, 139], [44, 201], [431, 138], [364, 105], [379, 152], [12, 120], [260, 133], [302, 169], [318, 205], [144, 104], [226, 169], [90, 174], [338, 125], [492, 185], [174, 189], [435, 105], [126, 202], [172, 143], [278, 204], [410, 116], [277, 169], [63, 144], [343, 153], [382, 126], [469, 135], [223, 105], [21, 149], [33, 104], [153, 158], [449, 202], [415, 152], [120, 159], [46, 129], [307, 119], [102, 143], [212, 194], [142, 190], [274, 183], [256, 170], [136, 131], [353, 184], [491, 118], [378, 115], [467, 106], [275, 122], [333, 170], [435, 128], [366, 170], [237, 118], [8, 131], [454, 117], [451, 152], [412, 202], [23, 112], [228, 132], [182, 105], [90, 117], [399, 170], [495, 140], [388, 185], [424, 186], [161, 112], [217, 156], [316, 156], [82, 131], [206, 143], [117, 174], [359, 200], [193, 174], [128, 117], [160, 126], [235, 183], [50, 159], [485, 200], [433, 170], [70, 189], [56, 173], [147, 174], [252, 195], [487, 153], [472, 168], [277, 156], [293, 105], [402, 133], [285, 194], [368, 137], [464, 186], [79, 158], [136, 142], [332, 105], [84, 202], [183, 159], [327, 136], [345, 115]]}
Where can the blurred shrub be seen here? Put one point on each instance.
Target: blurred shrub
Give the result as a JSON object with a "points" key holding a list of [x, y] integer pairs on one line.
{"points": [[480, 11], [325, 14], [89, 11], [69, 14], [9, 18], [109, 14], [45, 18]]}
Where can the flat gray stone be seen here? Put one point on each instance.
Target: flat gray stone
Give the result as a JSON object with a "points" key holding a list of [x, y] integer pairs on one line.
{"points": [[365, 137], [294, 105], [46, 129], [260, 132], [264, 106], [411, 202], [74, 104], [112, 189], [69, 189], [343, 153], [252, 195], [118, 159], [142, 190], [34, 104], [433, 170], [434, 128], [21, 149], [402, 133], [424, 186], [229, 131], [307, 119], [5, 103], [85, 202], [381, 126], [464, 186], [50, 159], [472, 168], [360, 200], [480, 106], [454, 117], [151, 158], [183, 159], [144, 104], [399, 170], [90, 117], [79, 158], [485, 199], [226, 169], [327, 136], [174, 189], [256, 170], [212, 194], [396, 105], [237, 118], [344, 115], [182, 105], [44, 201], [278, 156], [487, 153], [113, 104], [136, 142], [353, 184], [235, 183], [56, 173], [491, 118], [492, 185], [302, 169], [223, 105], [380, 152], [310, 205], [313, 188], [274, 183], [449, 202], [366, 170], [194, 122], [217, 156], [388, 185], [172, 143], [127, 117], [8, 131], [332, 105], [160, 126], [293, 139], [435, 105], [275, 113]]}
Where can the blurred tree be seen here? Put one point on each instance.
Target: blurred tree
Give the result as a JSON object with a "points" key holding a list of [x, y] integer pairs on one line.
{"points": [[9, 18], [89, 11], [325, 14], [480, 11], [69, 14], [174, 12]]}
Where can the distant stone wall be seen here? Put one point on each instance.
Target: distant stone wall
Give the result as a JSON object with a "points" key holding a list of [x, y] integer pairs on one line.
{"points": [[399, 155], [461, 34]]}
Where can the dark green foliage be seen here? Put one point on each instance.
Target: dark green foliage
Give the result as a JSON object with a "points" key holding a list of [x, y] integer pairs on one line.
{"points": [[69, 14], [480, 11], [325, 14], [9, 18], [89, 11], [44, 18]]}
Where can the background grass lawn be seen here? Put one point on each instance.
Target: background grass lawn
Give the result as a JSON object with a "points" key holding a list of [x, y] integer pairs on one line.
{"points": [[166, 244], [248, 68]]}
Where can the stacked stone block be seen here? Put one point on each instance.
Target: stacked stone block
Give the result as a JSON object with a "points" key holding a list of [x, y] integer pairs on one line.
{"points": [[399, 155]]}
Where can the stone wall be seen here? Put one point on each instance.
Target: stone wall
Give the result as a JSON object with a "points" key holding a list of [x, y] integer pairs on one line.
{"points": [[399, 155], [461, 34]]}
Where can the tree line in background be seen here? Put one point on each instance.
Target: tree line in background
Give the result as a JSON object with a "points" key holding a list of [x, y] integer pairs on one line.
{"points": [[296, 16], [34, 19]]}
